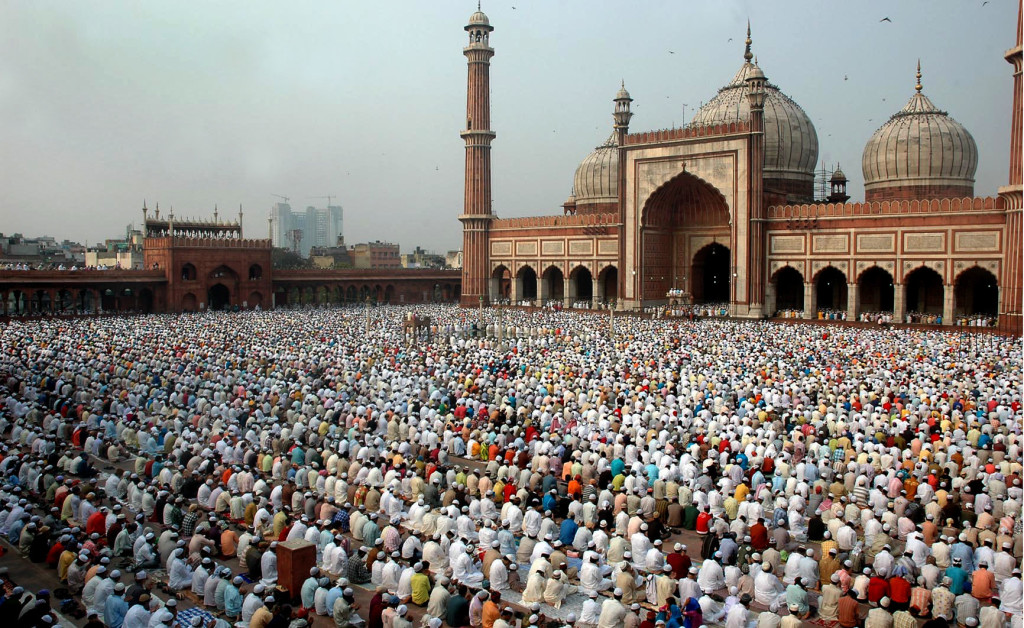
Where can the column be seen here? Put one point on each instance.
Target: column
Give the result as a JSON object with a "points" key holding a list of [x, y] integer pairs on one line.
{"points": [[947, 303], [517, 290], [569, 291], [597, 291], [852, 301], [810, 312], [769, 299], [545, 290], [899, 310]]}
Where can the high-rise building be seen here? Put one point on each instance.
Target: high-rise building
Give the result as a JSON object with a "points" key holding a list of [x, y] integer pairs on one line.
{"points": [[301, 231]]}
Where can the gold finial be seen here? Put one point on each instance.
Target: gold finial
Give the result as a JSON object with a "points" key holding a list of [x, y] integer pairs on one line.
{"points": [[477, 5], [918, 86], [746, 53]]}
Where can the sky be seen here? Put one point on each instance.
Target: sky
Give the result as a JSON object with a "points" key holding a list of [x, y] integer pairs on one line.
{"points": [[104, 104]]}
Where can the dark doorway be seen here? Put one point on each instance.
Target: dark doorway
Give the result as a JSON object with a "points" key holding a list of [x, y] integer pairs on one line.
{"points": [[977, 292], [555, 283], [789, 289], [711, 278], [610, 281], [584, 284], [218, 297], [876, 291], [529, 279], [831, 288], [924, 291]]}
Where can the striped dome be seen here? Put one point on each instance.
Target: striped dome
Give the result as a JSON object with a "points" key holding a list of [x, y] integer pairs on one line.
{"points": [[920, 147], [597, 177], [790, 140]]}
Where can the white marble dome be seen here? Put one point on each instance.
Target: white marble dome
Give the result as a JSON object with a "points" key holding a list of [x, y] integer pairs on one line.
{"points": [[920, 148], [597, 176], [790, 140]]}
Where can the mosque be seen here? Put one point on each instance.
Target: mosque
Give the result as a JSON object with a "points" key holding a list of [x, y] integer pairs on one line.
{"points": [[723, 211]]}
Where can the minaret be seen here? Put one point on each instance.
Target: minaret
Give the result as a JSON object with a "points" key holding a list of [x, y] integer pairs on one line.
{"points": [[476, 216], [239, 221], [622, 114], [756, 270], [1011, 315]]}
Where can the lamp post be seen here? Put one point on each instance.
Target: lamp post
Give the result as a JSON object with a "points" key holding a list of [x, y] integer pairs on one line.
{"points": [[482, 328], [501, 326]]}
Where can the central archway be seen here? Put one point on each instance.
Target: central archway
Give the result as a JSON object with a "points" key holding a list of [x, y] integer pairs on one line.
{"points": [[218, 297], [527, 279], [876, 291], [710, 279], [553, 286], [925, 291], [830, 287], [581, 284], [678, 219]]}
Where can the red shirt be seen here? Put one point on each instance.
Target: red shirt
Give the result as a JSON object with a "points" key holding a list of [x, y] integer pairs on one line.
{"points": [[703, 522], [877, 589], [899, 590], [759, 536], [97, 523]]}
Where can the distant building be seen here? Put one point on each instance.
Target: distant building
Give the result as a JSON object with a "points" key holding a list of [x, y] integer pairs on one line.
{"points": [[375, 254], [123, 252], [18, 249], [331, 256], [453, 259], [422, 259], [301, 231]]}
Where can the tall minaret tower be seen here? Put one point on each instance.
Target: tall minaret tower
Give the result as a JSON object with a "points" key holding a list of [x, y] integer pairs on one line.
{"points": [[476, 217], [1011, 311]]}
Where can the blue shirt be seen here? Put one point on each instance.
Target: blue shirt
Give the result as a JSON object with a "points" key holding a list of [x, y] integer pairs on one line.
{"points": [[568, 531], [332, 596], [957, 577], [232, 601], [114, 611]]}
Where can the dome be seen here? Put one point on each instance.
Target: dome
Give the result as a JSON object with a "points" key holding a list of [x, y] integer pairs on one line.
{"points": [[479, 19], [920, 152], [597, 177], [838, 176], [790, 141]]}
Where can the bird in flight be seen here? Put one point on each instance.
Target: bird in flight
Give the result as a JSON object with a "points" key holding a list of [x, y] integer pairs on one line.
{"points": [[885, 19], [984, 3], [730, 39], [671, 52], [845, 78]]}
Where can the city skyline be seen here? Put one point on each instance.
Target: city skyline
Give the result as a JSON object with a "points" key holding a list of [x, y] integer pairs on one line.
{"points": [[248, 109]]}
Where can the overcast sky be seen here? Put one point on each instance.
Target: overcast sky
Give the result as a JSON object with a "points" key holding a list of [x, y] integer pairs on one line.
{"points": [[104, 104]]}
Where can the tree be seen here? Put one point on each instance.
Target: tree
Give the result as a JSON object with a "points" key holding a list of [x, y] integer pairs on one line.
{"points": [[284, 259]]}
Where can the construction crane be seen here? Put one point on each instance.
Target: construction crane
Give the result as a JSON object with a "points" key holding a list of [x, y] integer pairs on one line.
{"points": [[285, 198], [328, 197]]}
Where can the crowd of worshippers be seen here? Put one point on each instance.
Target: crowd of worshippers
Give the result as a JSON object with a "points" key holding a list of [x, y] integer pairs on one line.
{"points": [[834, 475]]}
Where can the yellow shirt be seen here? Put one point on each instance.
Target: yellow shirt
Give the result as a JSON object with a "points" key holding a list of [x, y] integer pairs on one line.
{"points": [[420, 589], [741, 492], [66, 558]]}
